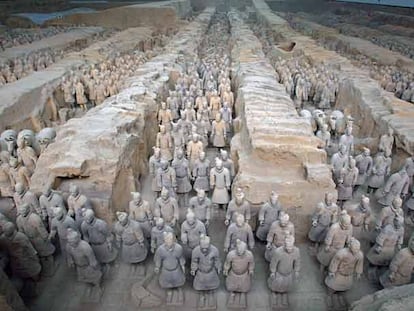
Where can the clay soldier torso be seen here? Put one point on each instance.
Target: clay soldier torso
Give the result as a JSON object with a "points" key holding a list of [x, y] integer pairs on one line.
{"points": [[24, 261], [380, 169], [349, 177], [157, 236], [360, 216], [190, 234], [215, 105], [131, 237], [87, 267], [276, 237], [220, 179], [166, 178], [28, 157], [76, 204], [344, 264], [169, 263], [143, 215], [202, 210], [206, 267], [402, 265], [283, 265], [228, 163], [234, 233], [80, 94], [201, 171], [97, 235], [218, 132], [396, 185], [338, 162], [154, 165], [167, 209], [61, 227], [238, 267], [364, 165], [336, 239], [193, 150], [233, 208], [182, 172], [164, 142], [387, 215], [178, 139], [20, 174], [322, 219], [387, 239], [29, 198], [33, 227], [164, 116], [268, 214], [48, 202]]}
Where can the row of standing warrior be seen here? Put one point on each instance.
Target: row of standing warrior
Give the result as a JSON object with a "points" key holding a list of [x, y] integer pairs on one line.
{"points": [[88, 243]]}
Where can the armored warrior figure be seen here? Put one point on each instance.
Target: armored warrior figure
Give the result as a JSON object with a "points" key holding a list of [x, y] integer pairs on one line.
{"points": [[170, 265], [167, 208], [395, 187], [164, 142], [284, 269], [166, 178], [200, 205], [239, 230], [157, 234], [269, 212], [200, 174], [81, 256], [401, 267], [338, 235], [96, 232], [205, 267], [220, 183], [278, 231], [238, 205], [191, 230], [140, 211], [60, 224], [130, 239], [77, 204], [183, 175], [238, 269], [32, 226]]}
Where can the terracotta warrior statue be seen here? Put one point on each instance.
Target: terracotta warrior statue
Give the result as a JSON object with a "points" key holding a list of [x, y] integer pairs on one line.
{"points": [[81, 256], [360, 217], [164, 115], [26, 155], [339, 161], [284, 270], [24, 196], [220, 183], [177, 137], [388, 213], [401, 267], [167, 178], [387, 243], [23, 258], [269, 212], [130, 239], [81, 99], [238, 205], [205, 267], [381, 168], [60, 224], [96, 232], [49, 200], [157, 233], [154, 165], [167, 208], [387, 141], [200, 174], [200, 205], [141, 212], [183, 175], [238, 269], [346, 182], [347, 140], [338, 235], [364, 165], [239, 230], [321, 221], [227, 163], [194, 149], [218, 132], [77, 204], [170, 265], [346, 263], [191, 230], [18, 173], [277, 234], [32, 226], [396, 186], [164, 142]]}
